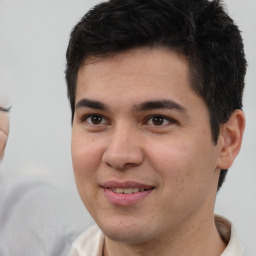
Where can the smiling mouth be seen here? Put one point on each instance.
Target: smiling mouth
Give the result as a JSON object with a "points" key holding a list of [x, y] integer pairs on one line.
{"points": [[126, 193], [127, 190]]}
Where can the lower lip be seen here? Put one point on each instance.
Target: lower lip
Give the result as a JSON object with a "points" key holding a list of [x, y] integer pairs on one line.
{"points": [[125, 199]]}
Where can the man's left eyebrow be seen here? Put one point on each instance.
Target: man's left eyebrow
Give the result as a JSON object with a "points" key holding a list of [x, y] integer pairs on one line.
{"points": [[159, 104]]}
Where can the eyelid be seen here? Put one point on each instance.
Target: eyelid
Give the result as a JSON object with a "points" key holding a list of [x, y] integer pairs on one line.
{"points": [[85, 117], [169, 119], [107, 121]]}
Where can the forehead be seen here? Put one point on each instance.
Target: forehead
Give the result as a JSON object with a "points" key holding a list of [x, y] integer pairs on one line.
{"points": [[137, 56], [143, 68]]}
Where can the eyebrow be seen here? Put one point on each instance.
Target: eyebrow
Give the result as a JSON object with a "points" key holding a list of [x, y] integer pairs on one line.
{"points": [[159, 104], [86, 103], [145, 106]]}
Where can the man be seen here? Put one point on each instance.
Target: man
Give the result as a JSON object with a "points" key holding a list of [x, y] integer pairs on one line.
{"points": [[155, 89]]}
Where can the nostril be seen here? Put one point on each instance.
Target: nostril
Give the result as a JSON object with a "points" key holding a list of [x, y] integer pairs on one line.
{"points": [[122, 157], [119, 166]]}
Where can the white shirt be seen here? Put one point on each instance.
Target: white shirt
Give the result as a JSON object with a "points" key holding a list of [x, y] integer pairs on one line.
{"points": [[91, 242]]}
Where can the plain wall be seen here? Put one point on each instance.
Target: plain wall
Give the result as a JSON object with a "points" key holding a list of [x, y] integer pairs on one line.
{"points": [[33, 40]]}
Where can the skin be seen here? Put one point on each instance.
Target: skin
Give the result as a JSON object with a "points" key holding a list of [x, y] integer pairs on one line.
{"points": [[174, 154], [4, 130]]}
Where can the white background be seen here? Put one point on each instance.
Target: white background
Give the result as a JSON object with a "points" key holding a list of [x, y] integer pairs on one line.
{"points": [[33, 40]]}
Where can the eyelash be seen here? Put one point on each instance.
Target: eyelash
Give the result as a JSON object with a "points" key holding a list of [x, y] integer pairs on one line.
{"points": [[162, 118], [86, 117]]}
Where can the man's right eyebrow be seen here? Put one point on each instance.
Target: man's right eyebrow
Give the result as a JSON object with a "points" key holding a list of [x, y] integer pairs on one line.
{"points": [[94, 104]]}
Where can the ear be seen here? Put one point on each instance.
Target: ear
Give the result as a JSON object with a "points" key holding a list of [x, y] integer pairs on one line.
{"points": [[230, 139]]}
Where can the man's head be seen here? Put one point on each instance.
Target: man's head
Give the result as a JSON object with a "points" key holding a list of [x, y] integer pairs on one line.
{"points": [[200, 31], [4, 130], [155, 89]]}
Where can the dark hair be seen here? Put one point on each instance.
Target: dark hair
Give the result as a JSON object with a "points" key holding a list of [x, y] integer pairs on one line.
{"points": [[199, 29]]}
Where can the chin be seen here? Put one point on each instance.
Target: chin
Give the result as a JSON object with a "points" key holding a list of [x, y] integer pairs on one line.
{"points": [[126, 236], [126, 231]]}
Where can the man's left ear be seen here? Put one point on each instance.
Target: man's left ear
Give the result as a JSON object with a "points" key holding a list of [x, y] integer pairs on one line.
{"points": [[230, 139]]}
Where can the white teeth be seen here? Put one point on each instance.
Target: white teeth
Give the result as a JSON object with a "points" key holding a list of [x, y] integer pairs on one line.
{"points": [[126, 190], [119, 190]]}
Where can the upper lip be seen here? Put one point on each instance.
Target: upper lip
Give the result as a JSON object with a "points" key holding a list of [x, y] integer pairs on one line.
{"points": [[125, 184]]}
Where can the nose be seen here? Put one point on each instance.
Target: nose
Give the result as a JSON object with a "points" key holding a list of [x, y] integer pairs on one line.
{"points": [[124, 149]]}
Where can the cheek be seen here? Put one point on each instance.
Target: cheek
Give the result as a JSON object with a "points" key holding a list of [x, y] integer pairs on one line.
{"points": [[181, 164], [86, 157], [170, 159], [185, 177]]}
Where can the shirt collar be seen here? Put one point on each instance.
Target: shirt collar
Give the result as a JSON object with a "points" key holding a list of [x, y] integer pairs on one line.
{"points": [[92, 240], [228, 234]]}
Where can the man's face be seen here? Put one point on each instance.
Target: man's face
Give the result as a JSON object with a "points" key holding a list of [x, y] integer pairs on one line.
{"points": [[4, 129], [143, 157]]}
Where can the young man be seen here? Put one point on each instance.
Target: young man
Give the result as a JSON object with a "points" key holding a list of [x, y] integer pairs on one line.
{"points": [[155, 89]]}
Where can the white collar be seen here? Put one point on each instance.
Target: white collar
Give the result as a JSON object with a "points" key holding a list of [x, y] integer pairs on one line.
{"points": [[90, 242], [228, 234]]}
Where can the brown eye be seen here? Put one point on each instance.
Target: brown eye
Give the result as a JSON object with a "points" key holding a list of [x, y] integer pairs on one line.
{"points": [[158, 120], [95, 119]]}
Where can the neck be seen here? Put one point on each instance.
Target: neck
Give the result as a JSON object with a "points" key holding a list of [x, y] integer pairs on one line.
{"points": [[198, 240]]}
